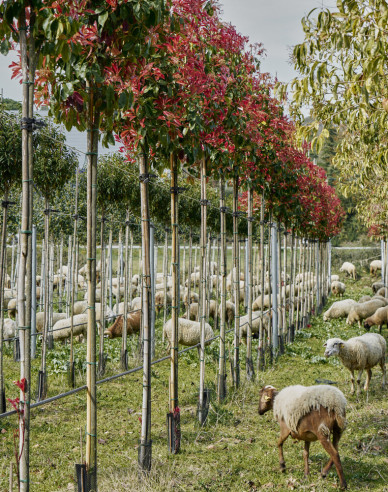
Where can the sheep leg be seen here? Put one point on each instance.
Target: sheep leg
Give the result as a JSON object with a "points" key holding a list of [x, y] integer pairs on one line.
{"points": [[352, 382], [334, 455], [368, 377], [382, 365], [336, 437], [359, 382], [284, 433], [306, 458]]}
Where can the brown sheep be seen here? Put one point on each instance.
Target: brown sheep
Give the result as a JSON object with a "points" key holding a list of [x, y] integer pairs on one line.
{"points": [[308, 414], [133, 325], [380, 318]]}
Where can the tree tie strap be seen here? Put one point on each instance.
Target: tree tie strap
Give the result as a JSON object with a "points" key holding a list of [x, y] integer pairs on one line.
{"points": [[24, 328], [92, 129], [25, 232], [28, 82], [91, 363], [145, 178], [91, 435], [91, 153], [22, 479]]}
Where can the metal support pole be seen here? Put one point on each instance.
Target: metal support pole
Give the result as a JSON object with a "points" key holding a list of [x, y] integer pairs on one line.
{"points": [[274, 275]]}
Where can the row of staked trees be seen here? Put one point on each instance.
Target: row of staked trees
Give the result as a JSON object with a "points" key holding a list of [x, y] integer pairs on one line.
{"points": [[179, 88]]}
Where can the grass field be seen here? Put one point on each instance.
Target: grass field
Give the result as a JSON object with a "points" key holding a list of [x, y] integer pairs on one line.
{"points": [[236, 449]]}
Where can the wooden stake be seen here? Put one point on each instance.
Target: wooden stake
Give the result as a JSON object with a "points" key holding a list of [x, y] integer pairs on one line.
{"points": [[221, 389]]}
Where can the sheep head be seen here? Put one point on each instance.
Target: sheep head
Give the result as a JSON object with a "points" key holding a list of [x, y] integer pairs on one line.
{"points": [[333, 346], [267, 395]]}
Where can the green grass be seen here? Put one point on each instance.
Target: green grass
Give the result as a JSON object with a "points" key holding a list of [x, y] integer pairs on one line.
{"points": [[236, 450]]}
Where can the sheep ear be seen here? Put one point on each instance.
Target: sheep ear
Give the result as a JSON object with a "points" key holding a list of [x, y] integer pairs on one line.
{"points": [[341, 344], [325, 344]]}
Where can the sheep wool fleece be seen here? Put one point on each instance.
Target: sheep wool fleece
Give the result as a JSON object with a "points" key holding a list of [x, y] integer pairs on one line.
{"points": [[294, 402]]}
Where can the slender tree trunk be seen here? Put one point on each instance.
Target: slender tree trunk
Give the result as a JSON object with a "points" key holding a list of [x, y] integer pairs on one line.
{"points": [[91, 401], [222, 368], [24, 274], [145, 449], [236, 290], [202, 307], [101, 357], [3, 271], [73, 275], [249, 280], [124, 351], [174, 416], [261, 352]]}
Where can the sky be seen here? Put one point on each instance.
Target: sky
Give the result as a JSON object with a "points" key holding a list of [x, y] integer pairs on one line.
{"points": [[274, 23]]}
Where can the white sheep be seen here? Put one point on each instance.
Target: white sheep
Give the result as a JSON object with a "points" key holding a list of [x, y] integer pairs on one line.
{"points": [[349, 268], [374, 266], [189, 332], [334, 278], [308, 414], [9, 329], [383, 291], [40, 320], [376, 286], [362, 311], [339, 309], [338, 288], [359, 353], [380, 318], [62, 328], [256, 320], [364, 299]]}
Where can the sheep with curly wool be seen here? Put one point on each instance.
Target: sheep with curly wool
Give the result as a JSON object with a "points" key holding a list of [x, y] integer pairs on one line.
{"points": [[362, 311], [375, 266], [338, 288], [189, 332], [349, 268], [308, 414], [364, 299], [359, 353], [376, 286], [379, 318], [339, 309]]}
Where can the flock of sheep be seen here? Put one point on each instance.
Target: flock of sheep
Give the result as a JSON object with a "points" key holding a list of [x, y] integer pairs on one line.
{"points": [[306, 413], [317, 412]]}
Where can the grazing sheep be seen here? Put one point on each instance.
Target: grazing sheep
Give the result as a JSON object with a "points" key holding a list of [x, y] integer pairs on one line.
{"points": [[62, 328], [133, 325], [334, 278], [361, 311], [194, 297], [230, 310], [374, 266], [12, 308], [380, 318], [189, 332], [339, 309], [359, 353], [193, 312], [256, 317], [364, 299], [9, 329], [136, 304], [98, 295], [308, 414], [349, 268], [338, 288], [376, 286], [135, 280], [381, 298], [159, 301], [383, 292], [40, 320], [8, 295]]}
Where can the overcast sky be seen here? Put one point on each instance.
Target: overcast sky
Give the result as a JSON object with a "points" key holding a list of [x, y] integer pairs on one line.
{"points": [[274, 23]]}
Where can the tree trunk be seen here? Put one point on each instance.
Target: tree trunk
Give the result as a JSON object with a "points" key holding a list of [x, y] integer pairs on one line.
{"points": [[73, 275], [145, 445], [3, 272], [236, 290], [124, 351], [261, 359], [173, 417], [249, 280], [91, 401], [221, 364], [202, 307]]}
